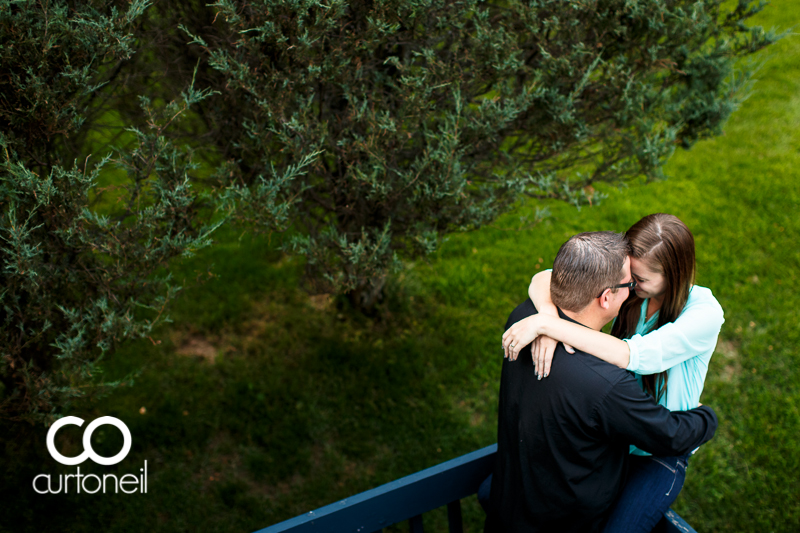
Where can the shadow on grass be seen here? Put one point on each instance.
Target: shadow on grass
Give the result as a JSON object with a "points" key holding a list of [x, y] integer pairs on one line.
{"points": [[256, 404]]}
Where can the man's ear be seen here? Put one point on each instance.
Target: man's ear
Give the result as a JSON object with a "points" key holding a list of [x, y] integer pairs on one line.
{"points": [[605, 299]]}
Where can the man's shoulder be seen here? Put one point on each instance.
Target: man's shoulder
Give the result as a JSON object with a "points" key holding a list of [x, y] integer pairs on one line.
{"points": [[594, 386], [523, 310], [595, 368]]}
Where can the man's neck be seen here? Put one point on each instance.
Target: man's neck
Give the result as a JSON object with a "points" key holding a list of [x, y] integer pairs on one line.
{"points": [[587, 318]]}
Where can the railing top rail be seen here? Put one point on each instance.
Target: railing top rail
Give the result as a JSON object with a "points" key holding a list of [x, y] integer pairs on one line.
{"points": [[397, 500], [413, 495]]}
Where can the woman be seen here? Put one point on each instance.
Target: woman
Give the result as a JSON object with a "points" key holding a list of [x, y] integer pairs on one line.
{"points": [[665, 332]]}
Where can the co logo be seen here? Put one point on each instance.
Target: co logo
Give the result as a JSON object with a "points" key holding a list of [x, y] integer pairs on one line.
{"points": [[88, 452]]}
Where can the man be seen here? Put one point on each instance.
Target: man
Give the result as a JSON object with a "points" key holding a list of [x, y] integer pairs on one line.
{"points": [[562, 442]]}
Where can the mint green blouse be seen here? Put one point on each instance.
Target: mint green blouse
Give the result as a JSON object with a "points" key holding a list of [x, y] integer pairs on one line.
{"points": [[682, 348]]}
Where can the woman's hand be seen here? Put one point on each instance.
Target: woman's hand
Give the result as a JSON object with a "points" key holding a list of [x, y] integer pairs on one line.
{"points": [[528, 330], [519, 336], [543, 349]]}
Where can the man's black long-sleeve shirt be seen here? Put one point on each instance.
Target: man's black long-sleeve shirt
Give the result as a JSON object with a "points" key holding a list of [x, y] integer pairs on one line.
{"points": [[563, 442]]}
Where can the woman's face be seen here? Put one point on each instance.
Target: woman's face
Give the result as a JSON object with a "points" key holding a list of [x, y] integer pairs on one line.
{"points": [[649, 284]]}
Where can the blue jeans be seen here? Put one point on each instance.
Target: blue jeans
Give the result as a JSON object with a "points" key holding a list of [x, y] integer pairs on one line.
{"points": [[484, 491], [652, 485]]}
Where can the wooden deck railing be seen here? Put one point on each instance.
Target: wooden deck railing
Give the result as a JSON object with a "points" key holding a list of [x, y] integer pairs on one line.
{"points": [[410, 497]]}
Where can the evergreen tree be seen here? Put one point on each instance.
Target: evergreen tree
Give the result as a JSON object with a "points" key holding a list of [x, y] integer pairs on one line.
{"points": [[81, 266], [369, 129], [381, 126]]}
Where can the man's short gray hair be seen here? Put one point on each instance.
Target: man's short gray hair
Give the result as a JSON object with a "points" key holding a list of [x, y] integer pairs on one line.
{"points": [[586, 265]]}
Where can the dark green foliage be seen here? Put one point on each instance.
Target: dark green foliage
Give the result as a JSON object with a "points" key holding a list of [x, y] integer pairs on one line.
{"points": [[51, 53], [75, 282], [370, 130], [379, 127], [80, 274]]}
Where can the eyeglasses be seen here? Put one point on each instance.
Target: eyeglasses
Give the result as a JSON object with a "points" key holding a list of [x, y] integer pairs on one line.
{"points": [[630, 285]]}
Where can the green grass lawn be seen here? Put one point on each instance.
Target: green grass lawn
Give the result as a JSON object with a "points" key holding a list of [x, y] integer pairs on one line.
{"points": [[258, 403]]}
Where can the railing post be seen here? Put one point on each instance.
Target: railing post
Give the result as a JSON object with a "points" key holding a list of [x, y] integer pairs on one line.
{"points": [[415, 524], [454, 517]]}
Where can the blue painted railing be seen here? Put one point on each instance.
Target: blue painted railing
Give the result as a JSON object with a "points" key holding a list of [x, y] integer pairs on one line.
{"points": [[409, 497]]}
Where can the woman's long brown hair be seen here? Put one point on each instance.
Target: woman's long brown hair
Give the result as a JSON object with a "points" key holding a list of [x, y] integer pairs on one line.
{"points": [[666, 245]]}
